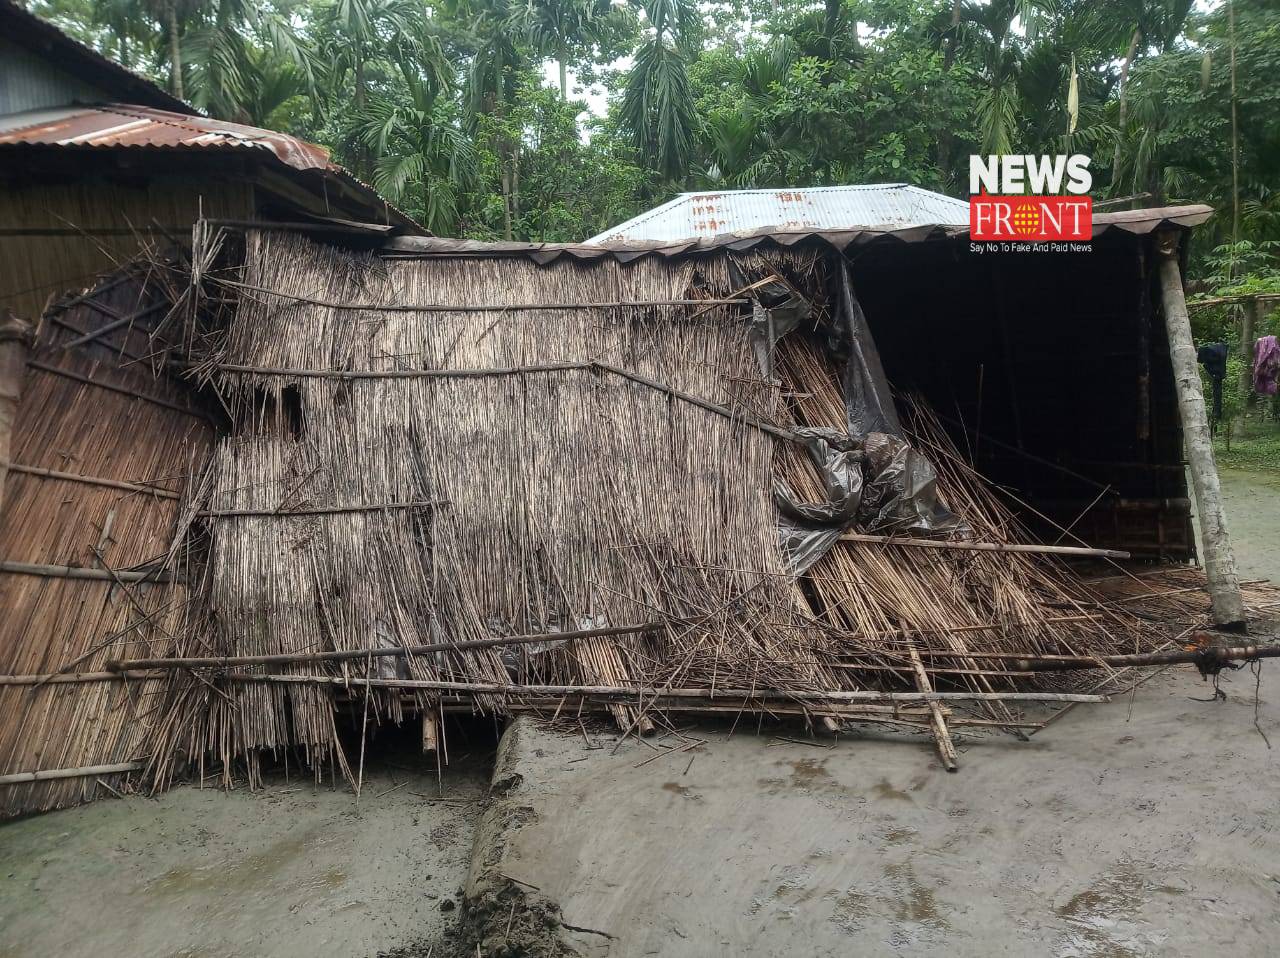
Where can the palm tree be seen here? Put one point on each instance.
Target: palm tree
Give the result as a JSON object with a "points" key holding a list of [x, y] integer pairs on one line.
{"points": [[557, 29], [657, 103], [246, 60], [1139, 24], [987, 30], [424, 159], [364, 42], [498, 58]]}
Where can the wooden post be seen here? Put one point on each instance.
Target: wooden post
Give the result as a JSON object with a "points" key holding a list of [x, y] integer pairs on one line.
{"points": [[1249, 322], [1219, 563], [15, 336], [430, 733]]}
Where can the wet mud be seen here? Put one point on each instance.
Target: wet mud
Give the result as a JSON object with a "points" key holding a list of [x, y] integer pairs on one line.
{"points": [[293, 869]]}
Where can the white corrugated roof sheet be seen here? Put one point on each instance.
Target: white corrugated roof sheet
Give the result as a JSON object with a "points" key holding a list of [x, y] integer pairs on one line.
{"points": [[815, 208]]}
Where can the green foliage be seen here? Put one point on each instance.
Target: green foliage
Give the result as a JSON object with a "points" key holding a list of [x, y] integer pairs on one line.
{"points": [[447, 107]]}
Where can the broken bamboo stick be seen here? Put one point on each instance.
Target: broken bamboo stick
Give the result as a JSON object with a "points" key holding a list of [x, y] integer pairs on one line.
{"points": [[941, 737], [984, 546]]}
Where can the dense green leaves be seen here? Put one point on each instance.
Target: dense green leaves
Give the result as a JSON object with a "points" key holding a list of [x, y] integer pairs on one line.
{"points": [[465, 112]]}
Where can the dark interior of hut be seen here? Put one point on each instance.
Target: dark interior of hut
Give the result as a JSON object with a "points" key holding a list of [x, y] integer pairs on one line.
{"points": [[1080, 425]]}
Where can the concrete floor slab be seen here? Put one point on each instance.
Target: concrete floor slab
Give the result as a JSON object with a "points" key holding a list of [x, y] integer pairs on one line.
{"points": [[1135, 828]]}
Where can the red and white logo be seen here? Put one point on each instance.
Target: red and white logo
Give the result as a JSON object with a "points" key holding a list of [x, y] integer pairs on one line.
{"points": [[1022, 198]]}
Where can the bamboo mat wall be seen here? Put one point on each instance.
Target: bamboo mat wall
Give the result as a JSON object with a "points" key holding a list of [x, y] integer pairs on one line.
{"points": [[68, 425]]}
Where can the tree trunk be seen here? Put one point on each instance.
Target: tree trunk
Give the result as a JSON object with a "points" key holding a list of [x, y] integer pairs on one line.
{"points": [[362, 151], [949, 54], [561, 56], [175, 51], [1219, 563], [943, 146], [515, 180], [506, 200], [1124, 106], [1235, 132]]}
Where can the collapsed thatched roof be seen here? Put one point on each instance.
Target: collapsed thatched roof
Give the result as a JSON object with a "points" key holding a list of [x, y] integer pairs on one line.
{"points": [[442, 449]]}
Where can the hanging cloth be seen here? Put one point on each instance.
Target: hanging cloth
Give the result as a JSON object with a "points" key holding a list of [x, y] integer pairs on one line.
{"points": [[1213, 357], [1266, 365]]}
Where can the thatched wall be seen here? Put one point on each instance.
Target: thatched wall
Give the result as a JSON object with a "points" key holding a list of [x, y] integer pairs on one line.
{"points": [[52, 623], [560, 500]]}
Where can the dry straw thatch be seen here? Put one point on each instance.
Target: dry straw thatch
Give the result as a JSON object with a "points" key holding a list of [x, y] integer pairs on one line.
{"points": [[539, 466]]}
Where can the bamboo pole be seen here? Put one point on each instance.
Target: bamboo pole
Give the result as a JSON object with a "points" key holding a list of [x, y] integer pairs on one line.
{"points": [[1208, 658], [594, 367], [115, 324], [15, 337], [480, 307], [1250, 320], [114, 387], [1012, 662], [619, 692], [52, 774], [84, 572], [290, 658], [318, 510], [1219, 563], [88, 480], [984, 546], [77, 678], [1227, 300], [941, 737]]}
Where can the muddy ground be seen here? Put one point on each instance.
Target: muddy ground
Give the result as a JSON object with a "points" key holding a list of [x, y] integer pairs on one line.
{"points": [[1252, 501], [291, 870]]}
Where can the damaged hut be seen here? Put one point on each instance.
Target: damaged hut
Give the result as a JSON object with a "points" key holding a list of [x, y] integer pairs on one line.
{"points": [[768, 472]]}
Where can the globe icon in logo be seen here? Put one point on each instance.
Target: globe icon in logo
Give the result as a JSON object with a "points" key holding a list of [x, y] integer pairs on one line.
{"points": [[1026, 220]]}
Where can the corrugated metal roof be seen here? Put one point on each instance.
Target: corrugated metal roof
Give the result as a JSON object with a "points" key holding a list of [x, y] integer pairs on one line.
{"points": [[124, 126], [120, 125], [1137, 222], [880, 206]]}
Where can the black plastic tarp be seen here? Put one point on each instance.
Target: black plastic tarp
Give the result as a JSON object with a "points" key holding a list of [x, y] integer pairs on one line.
{"points": [[874, 481]]}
